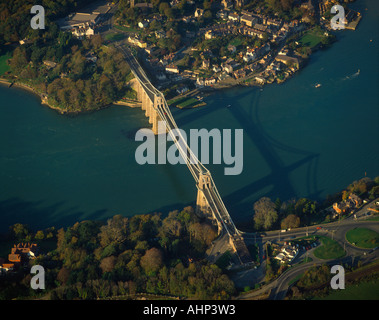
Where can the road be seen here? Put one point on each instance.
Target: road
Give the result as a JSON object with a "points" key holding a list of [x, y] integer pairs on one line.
{"points": [[335, 230]]}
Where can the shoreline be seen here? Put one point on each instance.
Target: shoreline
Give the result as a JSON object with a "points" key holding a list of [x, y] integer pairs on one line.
{"points": [[44, 99]]}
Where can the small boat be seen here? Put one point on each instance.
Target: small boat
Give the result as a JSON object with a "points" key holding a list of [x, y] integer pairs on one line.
{"points": [[228, 106], [318, 85]]}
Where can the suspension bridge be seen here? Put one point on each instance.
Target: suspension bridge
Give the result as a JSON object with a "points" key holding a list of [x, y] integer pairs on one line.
{"points": [[209, 201]]}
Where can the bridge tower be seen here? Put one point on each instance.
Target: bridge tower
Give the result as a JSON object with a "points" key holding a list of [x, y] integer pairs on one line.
{"points": [[155, 118], [150, 107], [202, 206]]}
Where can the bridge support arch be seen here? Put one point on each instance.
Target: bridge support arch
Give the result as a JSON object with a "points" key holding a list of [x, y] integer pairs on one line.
{"points": [[150, 107]]}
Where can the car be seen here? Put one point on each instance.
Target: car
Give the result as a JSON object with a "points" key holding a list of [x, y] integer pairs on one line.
{"points": [[318, 228]]}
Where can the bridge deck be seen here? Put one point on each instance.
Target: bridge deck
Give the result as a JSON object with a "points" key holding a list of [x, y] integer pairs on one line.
{"points": [[210, 191]]}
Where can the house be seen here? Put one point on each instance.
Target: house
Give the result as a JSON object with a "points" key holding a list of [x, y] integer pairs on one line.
{"points": [[224, 76], [274, 66], [280, 257], [288, 60], [137, 42], [348, 205], [240, 3], [287, 254], [284, 52], [216, 68], [199, 12], [172, 69], [239, 74], [273, 22], [143, 24], [206, 64], [210, 81], [355, 199], [248, 20], [24, 41], [82, 32], [227, 4], [209, 34], [222, 14], [49, 64], [163, 62], [260, 80], [228, 68], [234, 17], [150, 50], [250, 55], [253, 32], [20, 253], [199, 82]]}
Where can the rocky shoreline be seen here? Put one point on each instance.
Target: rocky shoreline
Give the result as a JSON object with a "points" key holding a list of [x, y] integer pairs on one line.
{"points": [[44, 98]]}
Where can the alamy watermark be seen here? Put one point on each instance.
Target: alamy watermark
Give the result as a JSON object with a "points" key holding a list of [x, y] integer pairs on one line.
{"points": [[338, 281], [37, 281], [222, 147], [38, 21], [339, 20]]}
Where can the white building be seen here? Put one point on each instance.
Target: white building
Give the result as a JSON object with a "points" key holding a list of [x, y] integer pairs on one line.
{"points": [[143, 24], [83, 31]]}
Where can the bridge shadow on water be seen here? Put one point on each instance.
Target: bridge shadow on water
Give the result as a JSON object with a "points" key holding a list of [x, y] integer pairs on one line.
{"points": [[38, 215], [279, 177]]}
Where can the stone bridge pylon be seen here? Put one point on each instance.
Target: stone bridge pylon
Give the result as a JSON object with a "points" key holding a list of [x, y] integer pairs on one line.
{"points": [[150, 103]]}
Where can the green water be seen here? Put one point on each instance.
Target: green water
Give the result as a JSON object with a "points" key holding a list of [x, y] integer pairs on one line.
{"points": [[299, 141]]}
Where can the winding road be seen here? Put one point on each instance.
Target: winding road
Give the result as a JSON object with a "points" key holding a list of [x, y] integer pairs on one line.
{"points": [[336, 230]]}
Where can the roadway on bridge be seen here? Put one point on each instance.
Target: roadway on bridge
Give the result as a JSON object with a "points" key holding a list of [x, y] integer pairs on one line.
{"points": [[197, 169]]}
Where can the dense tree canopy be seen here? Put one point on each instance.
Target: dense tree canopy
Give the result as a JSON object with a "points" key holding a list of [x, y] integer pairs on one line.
{"points": [[265, 213]]}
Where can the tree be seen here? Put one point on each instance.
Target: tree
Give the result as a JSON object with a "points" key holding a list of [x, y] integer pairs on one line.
{"points": [[265, 213], [152, 260], [18, 61], [19, 231], [115, 232], [291, 221], [39, 235], [63, 275], [171, 225], [163, 6], [108, 264]]}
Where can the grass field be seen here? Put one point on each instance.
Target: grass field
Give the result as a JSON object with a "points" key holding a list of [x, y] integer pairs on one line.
{"points": [[127, 29], [362, 291], [363, 238], [311, 38], [330, 249], [4, 67], [115, 37], [186, 102]]}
